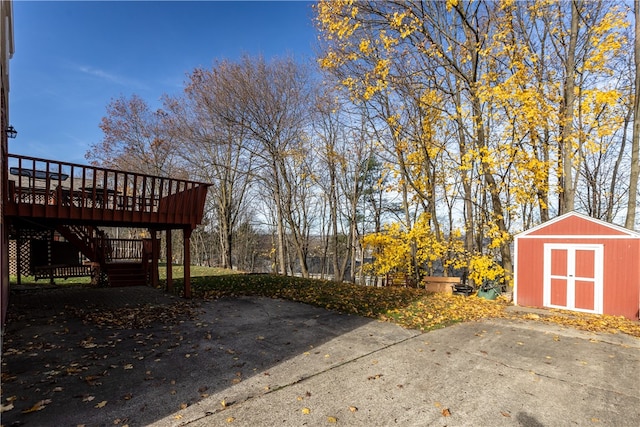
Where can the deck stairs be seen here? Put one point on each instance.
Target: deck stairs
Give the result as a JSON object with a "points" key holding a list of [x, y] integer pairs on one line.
{"points": [[94, 244]]}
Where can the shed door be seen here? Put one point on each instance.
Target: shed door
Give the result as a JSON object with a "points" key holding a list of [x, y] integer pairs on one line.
{"points": [[573, 277]]}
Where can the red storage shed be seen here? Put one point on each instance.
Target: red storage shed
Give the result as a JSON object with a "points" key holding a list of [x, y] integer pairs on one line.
{"points": [[578, 263]]}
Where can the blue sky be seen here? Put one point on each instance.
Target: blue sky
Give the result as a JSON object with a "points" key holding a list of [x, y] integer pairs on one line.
{"points": [[72, 58]]}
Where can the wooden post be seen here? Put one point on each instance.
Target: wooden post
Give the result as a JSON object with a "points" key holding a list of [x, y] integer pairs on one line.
{"points": [[186, 233], [50, 256], [154, 258], [169, 263]]}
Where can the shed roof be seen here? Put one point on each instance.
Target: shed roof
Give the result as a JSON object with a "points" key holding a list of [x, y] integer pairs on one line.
{"points": [[574, 224]]}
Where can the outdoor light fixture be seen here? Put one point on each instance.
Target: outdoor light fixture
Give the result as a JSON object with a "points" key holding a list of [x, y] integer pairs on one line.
{"points": [[11, 132]]}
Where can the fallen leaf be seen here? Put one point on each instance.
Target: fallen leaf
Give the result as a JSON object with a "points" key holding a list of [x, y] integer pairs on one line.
{"points": [[91, 379], [5, 408], [57, 389], [505, 414], [88, 398], [183, 406], [332, 420], [39, 406], [446, 412], [88, 343], [128, 366], [133, 317], [353, 409], [230, 419], [101, 404], [306, 411]]}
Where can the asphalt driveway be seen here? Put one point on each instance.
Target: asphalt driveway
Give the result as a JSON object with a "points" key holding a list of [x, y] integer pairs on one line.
{"points": [[134, 356]]}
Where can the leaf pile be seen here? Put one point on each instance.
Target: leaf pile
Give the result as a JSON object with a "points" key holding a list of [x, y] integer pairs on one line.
{"points": [[409, 307], [594, 322], [138, 317], [437, 310], [348, 298]]}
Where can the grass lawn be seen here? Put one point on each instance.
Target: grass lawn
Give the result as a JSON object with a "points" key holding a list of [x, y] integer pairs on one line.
{"points": [[411, 308], [178, 273]]}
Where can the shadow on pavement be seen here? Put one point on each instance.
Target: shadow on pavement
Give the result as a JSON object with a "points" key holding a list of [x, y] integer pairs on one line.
{"points": [[132, 356]]}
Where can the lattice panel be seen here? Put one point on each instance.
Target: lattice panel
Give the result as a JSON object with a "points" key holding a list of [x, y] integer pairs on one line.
{"points": [[23, 245], [13, 260]]}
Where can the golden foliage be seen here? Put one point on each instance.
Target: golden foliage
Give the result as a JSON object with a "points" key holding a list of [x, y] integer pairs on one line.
{"points": [[440, 309], [385, 52], [393, 247]]}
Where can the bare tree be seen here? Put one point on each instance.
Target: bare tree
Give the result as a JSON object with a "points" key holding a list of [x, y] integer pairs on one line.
{"points": [[274, 100], [213, 147], [135, 139], [635, 142]]}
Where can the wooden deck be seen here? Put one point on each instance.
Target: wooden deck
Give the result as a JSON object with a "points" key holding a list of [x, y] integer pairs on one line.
{"points": [[72, 193]]}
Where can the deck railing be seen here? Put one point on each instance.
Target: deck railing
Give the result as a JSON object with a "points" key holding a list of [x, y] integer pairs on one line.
{"points": [[125, 249], [49, 188]]}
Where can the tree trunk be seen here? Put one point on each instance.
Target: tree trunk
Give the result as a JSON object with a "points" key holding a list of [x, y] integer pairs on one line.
{"points": [[635, 143], [498, 213], [567, 194]]}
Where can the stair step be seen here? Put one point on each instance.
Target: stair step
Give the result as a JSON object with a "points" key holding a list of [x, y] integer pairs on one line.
{"points": [[126, 274]]}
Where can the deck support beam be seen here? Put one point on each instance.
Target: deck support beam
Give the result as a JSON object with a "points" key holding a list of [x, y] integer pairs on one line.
{"points": [[155, 252], [186, 232], [169, 263]]}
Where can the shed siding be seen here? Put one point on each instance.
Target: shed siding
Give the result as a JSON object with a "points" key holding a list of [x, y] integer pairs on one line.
{"points": [[574, 225], [621, 280], [620, 264], [530, 273]]}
